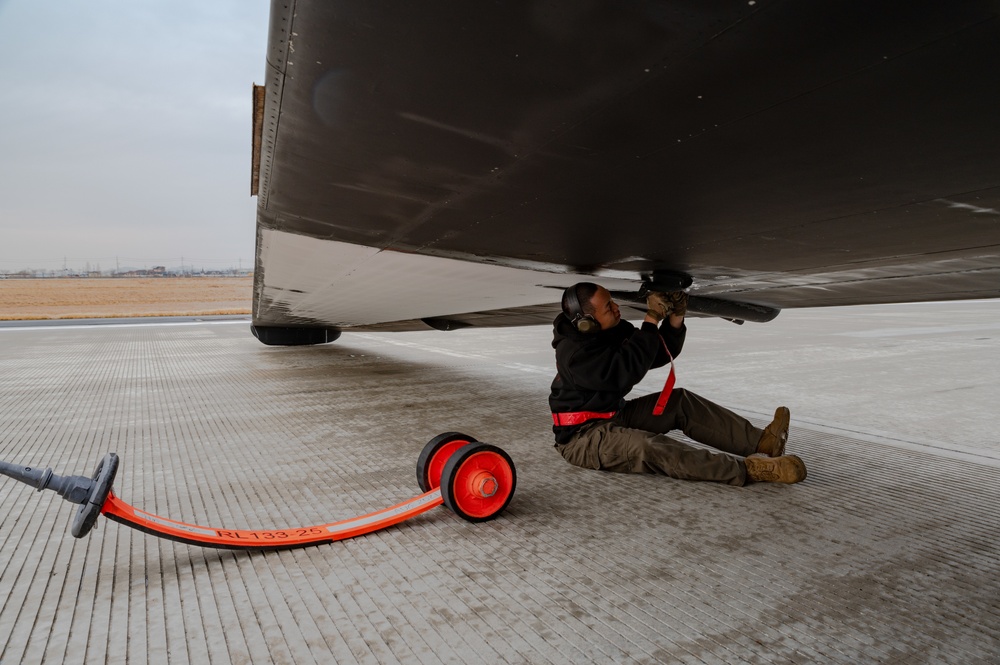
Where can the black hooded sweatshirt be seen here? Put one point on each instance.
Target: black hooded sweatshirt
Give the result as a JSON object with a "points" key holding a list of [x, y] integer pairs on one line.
{"points": [[597, 370]]}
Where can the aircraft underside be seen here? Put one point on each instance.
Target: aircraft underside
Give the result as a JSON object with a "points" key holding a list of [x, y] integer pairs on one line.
{"points": [[448, 164]]}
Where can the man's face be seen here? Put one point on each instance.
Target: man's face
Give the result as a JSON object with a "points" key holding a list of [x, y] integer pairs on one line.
{"points": [[605, 309]]}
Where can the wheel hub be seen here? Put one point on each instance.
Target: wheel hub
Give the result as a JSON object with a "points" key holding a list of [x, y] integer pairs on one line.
{"points": [[483, 484]]}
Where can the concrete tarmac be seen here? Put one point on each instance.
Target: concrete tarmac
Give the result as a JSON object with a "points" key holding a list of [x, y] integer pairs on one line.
{"points": [[886, 553]]}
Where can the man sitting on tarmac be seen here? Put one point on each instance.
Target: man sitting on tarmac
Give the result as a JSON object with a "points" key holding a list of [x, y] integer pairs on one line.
{"points": [[600, 358]]}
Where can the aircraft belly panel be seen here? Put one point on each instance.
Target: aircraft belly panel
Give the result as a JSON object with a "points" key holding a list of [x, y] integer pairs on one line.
{"points": [[307, 280], [783, 154]]}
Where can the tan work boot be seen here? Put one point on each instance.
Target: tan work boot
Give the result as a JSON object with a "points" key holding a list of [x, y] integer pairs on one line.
{"points": [[784, 469], [772, 441]]}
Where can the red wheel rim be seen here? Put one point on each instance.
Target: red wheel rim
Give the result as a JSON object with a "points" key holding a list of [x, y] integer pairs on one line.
{"points": [[483, 484], [440, 457]]}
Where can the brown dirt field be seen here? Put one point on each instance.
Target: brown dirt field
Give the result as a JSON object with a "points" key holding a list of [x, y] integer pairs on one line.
{"points": [[22, 299]]}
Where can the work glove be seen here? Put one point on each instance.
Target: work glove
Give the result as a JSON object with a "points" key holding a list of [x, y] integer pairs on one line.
{"points": [[678, 302], [659, 305]]}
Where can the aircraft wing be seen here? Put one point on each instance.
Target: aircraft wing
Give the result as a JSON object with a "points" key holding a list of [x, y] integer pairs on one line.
{"points": [[452, 163]]}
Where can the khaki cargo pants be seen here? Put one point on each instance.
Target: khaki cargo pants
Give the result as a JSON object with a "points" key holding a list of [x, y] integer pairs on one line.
{"points": [[634, 440]]}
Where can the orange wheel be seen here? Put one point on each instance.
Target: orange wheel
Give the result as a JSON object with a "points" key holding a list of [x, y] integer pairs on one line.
{"points": [[478, 482], [435, 454]]}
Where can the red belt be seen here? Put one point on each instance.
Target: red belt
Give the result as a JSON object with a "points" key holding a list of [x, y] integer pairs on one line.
{"points": [[579, 417]]}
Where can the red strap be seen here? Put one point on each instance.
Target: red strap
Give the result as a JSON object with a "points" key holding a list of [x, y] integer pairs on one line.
{"points": [[579, 417], [668, 387]]}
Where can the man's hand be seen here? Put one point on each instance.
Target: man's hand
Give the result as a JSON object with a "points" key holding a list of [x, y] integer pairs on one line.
{"points": [[662, 305], [659, 305], [678, 303]]}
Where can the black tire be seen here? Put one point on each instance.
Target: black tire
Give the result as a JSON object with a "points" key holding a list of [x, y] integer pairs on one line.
{"points": [[424, 460], [471, 461]]}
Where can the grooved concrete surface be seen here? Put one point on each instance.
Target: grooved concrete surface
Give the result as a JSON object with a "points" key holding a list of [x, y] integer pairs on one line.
{"points": [[887, 553]]}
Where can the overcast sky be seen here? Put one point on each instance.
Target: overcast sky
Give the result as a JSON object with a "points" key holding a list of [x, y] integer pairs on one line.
{"points": [[125, 130]]}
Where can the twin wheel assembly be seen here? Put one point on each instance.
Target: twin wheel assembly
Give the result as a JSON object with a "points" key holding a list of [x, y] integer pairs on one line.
{"points": [[475, 480]]}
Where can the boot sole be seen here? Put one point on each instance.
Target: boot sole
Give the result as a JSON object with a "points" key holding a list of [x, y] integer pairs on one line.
{"points": [[781, 422]]}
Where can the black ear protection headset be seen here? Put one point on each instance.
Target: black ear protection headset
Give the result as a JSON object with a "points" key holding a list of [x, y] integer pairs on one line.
{"points": [[585, 323]]}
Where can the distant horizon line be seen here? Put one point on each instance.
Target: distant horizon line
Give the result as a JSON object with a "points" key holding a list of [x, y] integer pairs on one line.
{"points": [[123, 265], [71, 262], [155, 271], [174, 275]]}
